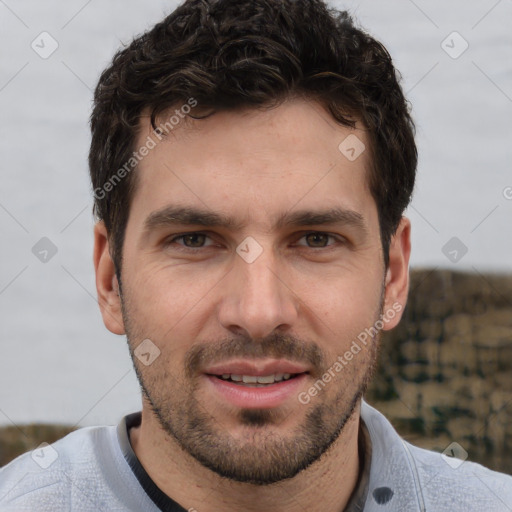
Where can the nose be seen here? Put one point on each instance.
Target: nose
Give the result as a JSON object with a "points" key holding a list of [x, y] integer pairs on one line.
{"points": [[256, 301]]}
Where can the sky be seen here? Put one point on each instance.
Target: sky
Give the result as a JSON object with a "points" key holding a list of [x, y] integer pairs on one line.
{"points": [[59, 363]]}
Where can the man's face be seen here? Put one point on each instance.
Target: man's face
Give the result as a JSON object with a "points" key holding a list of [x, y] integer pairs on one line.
{"points": [[284, 287]]}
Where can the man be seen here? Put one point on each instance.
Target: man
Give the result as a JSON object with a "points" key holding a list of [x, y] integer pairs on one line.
{"points": [[251, 162]]}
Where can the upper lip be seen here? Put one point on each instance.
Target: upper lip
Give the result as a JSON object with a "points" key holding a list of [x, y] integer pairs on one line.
{"points": [[255, 368]]}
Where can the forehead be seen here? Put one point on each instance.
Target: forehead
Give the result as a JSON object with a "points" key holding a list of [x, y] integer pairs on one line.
{"points": [[258, 161]]}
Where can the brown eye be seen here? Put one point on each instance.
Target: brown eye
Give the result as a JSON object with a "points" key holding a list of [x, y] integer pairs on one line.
{"points": [[317, 239], [188, 241], [193, 240]]}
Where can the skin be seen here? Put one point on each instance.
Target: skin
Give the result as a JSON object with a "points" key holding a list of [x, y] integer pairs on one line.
{"points": [[315, 293]]}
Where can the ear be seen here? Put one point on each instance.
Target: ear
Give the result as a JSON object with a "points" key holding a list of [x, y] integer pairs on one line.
{"points": [[397, 274], [106, 282]]}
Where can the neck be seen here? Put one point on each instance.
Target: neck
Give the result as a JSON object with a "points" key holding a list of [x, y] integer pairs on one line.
{"points": [[325, 486]]}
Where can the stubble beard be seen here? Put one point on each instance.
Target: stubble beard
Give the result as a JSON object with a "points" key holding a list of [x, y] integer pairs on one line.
{"points": [[261, 456]]}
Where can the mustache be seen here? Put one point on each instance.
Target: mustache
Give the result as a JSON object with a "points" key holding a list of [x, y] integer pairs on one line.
{"points": [[276, 345]]}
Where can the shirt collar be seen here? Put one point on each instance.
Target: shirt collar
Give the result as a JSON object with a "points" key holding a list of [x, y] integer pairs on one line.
{"points": [[159, 498], [359, 496]]}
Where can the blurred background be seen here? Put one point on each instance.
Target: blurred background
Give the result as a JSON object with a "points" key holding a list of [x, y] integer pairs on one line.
{"points": [[445, 373]]}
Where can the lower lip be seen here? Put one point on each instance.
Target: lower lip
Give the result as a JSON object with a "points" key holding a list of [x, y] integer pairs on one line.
{"points": [[249, 397]]}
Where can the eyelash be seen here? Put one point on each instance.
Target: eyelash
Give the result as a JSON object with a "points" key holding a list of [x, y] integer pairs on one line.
{"points": [[173, 239]]}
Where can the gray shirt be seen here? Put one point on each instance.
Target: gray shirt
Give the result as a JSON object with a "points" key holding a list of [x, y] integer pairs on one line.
{"points": [[94, 469]]}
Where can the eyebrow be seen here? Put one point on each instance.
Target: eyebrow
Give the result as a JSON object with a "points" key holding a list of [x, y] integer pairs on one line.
{"points": [[173, 215], [176, 215], [329, 216]]}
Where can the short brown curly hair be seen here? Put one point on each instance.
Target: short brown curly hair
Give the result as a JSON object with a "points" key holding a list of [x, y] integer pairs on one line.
{"points": [[229, 54]]}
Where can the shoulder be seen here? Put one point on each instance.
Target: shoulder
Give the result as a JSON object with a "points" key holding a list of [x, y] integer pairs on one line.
{"points": [[51, 475], [426, 480], [452, 484]]}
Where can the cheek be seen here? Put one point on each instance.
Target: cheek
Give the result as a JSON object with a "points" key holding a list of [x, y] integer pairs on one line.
{"points": [[343, 307], [174, 287], [171, 303]]}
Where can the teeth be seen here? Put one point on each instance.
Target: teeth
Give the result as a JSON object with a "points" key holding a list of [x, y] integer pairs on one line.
{"points": [[266, 379], [258, 381]]}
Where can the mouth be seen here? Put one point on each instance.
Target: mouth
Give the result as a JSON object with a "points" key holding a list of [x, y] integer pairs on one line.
{"points": [[256, 385], [254, 381]]}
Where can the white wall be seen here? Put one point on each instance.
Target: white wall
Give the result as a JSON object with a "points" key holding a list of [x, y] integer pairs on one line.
{"points": [[58, 362]]}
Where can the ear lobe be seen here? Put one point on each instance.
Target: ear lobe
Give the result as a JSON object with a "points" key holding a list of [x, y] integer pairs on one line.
{"points": [[397, 273], [107, 286]]}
